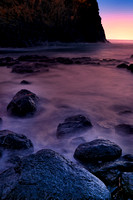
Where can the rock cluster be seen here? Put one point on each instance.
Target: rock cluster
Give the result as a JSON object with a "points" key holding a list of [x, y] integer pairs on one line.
{"points": [[103, 158]]}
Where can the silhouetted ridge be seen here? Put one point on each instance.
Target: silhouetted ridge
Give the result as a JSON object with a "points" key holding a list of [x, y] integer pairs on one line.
{"points": [[23, 23]]}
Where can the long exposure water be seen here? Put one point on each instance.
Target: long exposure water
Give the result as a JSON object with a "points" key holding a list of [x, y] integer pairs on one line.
{"points": [[101, 92]]}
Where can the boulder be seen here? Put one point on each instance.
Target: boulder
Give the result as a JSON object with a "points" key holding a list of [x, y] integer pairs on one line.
{"points": [[0, 120], [130, 67], [66, 61], [127, 184], [47, 175], [25, 82], [122, 65], [98, 150], [124, 129], [16, 143], [73, 125], [23, 103], [128, 157]]}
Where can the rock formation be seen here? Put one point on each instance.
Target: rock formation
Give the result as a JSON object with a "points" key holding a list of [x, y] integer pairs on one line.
{"points": [[48, 175], [24, 23]]}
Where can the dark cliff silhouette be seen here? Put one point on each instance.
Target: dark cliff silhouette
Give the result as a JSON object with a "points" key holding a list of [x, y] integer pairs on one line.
{"points": [[23, 23]]}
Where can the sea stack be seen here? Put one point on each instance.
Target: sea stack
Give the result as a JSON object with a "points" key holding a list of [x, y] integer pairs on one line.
{"points": [[35, 21]]}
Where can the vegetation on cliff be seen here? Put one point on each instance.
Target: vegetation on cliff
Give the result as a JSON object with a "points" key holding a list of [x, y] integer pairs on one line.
{"points": [[27, 22]]}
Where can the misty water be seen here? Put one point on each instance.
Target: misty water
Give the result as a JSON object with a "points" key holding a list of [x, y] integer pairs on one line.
{"points": [[101, 92]]}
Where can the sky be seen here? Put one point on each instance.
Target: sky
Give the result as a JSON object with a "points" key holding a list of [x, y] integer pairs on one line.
{"points": [[117, 18]]}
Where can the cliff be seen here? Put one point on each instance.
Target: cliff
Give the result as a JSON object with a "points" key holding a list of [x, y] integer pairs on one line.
{"points": [[23, 23]]}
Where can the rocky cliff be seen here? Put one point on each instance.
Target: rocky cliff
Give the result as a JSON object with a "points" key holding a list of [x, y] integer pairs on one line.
{"points": [[23, 23]]}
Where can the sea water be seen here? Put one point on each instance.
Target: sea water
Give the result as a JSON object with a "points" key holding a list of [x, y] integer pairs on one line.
{"points": [[102, 92]]}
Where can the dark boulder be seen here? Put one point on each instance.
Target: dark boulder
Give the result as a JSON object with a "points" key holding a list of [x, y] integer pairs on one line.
{"points": [[128, 157], [124, 129], [0, 120], [98, 150], [25, 82], [23, 103], [73, 125], [47, 175], [62, 60], [122, 65], [130, 67], [127, 184], [17, 143]]}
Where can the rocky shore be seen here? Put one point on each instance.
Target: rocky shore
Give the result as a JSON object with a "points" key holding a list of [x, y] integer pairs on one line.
{"points": [[100, 170]]}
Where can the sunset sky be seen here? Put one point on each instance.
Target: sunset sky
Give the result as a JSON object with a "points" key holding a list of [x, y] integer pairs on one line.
{"points": [[117, 18]]}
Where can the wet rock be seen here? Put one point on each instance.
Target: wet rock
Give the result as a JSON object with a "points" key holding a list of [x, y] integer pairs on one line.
{"points": [[22, 69], [77, 140], [98, 150], [73, 125], [130, 67], [128, 157], [47, 175], [122, 65], [23, 103], [6, 61], [122, 109], [111, 174], [17, 143], [64, 60], [29, 68], [25, 82], [31, 58], [127, 184], [113, 169], [0, 120], [124, 129], [1, 153]]}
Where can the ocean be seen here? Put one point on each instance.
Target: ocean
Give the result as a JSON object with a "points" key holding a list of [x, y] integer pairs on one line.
{"points": [[100, 91]]}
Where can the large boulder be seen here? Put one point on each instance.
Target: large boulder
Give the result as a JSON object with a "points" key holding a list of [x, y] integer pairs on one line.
{"points": [[23, 103], [98, 150], [47, 175], [16, 143], [73, 125], [43, 20]]}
